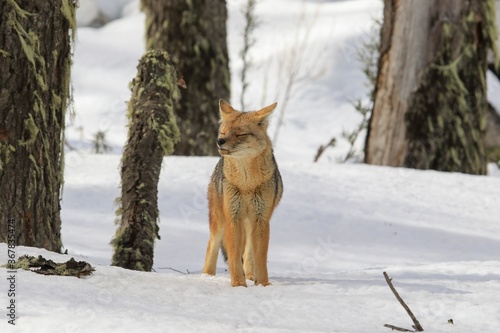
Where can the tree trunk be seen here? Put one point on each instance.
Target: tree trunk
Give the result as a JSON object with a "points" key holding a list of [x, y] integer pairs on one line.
{"points": [[193, 32], [152, 134], [430, 99], [35, 63]]}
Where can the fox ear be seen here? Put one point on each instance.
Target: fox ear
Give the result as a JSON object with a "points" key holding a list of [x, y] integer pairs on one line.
{"points": [[225, 109], [265, 112]]}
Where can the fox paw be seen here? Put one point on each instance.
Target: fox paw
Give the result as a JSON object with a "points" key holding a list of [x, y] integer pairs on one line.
{"points": [[264, 284], [239, 283]]}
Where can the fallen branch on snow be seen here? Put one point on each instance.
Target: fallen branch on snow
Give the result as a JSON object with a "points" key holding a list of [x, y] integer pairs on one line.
{"points": [[416, 326], [396, 328]]}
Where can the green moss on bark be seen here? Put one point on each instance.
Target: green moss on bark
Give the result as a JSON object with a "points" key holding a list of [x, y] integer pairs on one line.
{"points": [[68, 10], [446, 119], [193, 32], [489, 27], [152, 134], [37, 46]]}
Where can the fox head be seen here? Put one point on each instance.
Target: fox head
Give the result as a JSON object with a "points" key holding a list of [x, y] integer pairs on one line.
{"points": [[243, 134]]}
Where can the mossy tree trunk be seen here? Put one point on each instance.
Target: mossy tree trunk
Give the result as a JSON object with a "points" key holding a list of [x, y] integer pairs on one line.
{"points": [[430, 99], [194, 34], [35, 63], [152, 134]]}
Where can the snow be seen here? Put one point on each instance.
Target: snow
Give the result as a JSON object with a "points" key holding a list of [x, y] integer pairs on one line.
{"points": [[87, 12], [493, 90], [337, 229]]}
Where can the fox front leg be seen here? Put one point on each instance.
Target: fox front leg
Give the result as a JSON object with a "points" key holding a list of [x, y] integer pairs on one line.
{"points": [[261, 244], [248, 261], [232, 243]]}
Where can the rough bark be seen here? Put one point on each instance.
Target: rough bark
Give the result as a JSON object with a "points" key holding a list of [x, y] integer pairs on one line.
{"points": [[35, 62], [430, 100], [152, 134], [193, 32]]}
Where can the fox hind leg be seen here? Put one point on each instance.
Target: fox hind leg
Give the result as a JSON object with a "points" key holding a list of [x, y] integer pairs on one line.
{"points": [[214, 243], [212, 252]]}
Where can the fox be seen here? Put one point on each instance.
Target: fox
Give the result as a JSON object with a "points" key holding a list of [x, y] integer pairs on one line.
{"points": [[245, 188]]}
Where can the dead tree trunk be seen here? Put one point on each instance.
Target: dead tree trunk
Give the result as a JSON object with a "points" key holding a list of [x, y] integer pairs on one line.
{"points": [[152, 134], [35, 63], [194, 34], [430, 99]]}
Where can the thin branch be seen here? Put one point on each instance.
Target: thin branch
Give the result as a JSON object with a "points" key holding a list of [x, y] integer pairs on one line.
{"points": [[417, 326], [175, 270], [352, 136], [291, 66], [395, 328], [322, 149]]}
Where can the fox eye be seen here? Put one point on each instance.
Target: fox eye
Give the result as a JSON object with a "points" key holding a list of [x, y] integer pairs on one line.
{"points": [[243, 135]]}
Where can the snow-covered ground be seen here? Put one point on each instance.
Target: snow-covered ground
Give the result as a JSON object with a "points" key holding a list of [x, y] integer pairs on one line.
{"points": [[337, 229]]}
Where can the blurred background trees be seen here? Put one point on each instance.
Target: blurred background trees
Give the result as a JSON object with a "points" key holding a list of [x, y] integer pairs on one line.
{"points": [[193, 32]]}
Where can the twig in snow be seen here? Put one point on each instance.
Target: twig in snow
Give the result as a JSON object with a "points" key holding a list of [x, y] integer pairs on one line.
{"points": [[395, 328], [417, 326], [175, 270]]}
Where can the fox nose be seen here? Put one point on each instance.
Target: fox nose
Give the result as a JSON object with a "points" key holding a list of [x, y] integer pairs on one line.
{"points": [[220, 142]]}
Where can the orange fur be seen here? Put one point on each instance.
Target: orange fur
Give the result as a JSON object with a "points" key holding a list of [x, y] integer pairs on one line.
{"points": [[244, 189]]}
